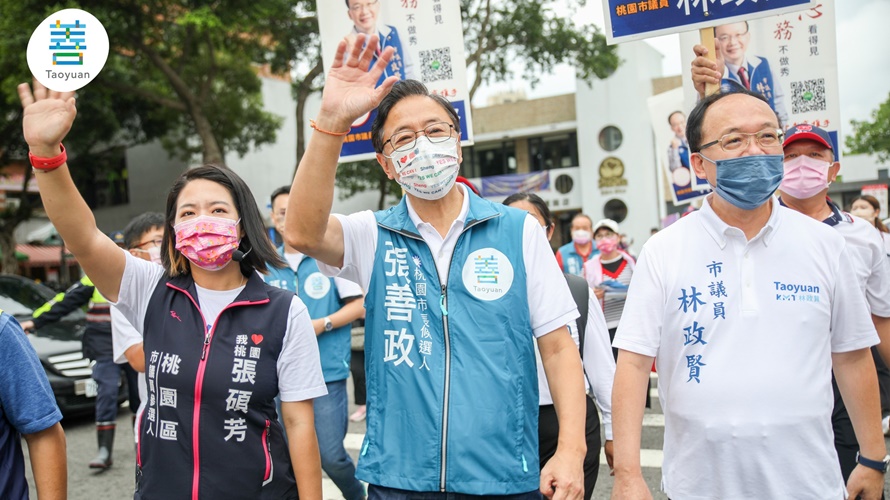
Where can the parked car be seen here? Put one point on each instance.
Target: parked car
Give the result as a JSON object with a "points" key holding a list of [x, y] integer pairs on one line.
{"points": [[57, 345]]}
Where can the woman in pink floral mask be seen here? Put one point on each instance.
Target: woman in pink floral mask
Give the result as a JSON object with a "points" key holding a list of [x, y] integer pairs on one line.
{"points": [[219, 343]]}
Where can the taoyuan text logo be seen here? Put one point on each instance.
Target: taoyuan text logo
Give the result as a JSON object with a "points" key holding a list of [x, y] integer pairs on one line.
{"points": [[67, 50]]}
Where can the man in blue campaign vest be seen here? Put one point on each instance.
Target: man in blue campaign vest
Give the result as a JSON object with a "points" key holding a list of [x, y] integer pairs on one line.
{"points": [[364, 14], [333, 304], [572, 256], [739, 70], [458, 290]]}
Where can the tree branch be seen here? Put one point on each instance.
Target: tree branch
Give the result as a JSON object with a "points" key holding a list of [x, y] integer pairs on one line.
{"points": [[211, 73], [147, 94]]}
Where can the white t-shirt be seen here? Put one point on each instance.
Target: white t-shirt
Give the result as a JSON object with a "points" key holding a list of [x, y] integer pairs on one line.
{"points": [[299, 367], [870, 263], [743, 333], [345, 288], [550, 301], [599, 363], [123, 337]]}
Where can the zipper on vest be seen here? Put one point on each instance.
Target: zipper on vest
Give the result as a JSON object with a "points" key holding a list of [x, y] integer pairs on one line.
{"points": [[444, 305], [199, 383], [267, 449]]}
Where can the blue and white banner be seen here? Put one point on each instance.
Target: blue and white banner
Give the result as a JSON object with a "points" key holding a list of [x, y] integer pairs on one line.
{"points": [[505, 185], [427, 36], [628, 20]]}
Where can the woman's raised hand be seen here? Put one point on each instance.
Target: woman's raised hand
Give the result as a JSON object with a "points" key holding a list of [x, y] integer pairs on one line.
{"points": [[48, 116]]}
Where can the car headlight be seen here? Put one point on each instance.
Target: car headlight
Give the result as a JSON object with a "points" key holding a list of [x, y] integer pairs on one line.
{"points": [[72, 364]]}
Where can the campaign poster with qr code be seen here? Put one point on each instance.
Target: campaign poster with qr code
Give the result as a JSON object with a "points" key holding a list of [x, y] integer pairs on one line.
{"points": [[790, 59], [427, 36]]}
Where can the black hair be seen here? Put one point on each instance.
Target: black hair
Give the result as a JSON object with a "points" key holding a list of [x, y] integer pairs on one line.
{"points": [[672, 115], [536, 201], [258, 249], [696, 118], [401, 90], [278, 192], [140, 225]]}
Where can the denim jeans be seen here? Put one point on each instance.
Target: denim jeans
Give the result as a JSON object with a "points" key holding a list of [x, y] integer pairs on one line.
{"points": [[331, 414], [107, 375], [384, 493]]}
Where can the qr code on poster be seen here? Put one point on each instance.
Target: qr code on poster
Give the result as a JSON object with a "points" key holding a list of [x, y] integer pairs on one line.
{"points": [[435, 65], [808, 95]]}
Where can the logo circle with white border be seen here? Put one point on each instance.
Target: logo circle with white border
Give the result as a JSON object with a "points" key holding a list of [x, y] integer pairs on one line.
{"points": [[488, 274], [317, 285], [67, 50]]}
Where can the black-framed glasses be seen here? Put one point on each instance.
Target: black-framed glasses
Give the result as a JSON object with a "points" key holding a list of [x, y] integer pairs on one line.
{"points": [[359, 6], [766, 138], [405, 140]]}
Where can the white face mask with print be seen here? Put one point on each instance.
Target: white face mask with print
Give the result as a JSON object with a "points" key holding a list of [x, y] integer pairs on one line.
{"points": [[430, 169]]}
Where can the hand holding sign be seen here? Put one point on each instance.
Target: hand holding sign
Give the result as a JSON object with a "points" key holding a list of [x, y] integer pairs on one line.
{"points": [[47, 119], [706, 71], [349, 88]]}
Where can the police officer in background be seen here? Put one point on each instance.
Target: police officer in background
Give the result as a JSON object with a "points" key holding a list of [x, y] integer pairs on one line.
{"points": [[97, 346]]}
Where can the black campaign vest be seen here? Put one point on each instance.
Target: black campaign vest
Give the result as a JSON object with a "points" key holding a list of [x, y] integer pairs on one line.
{"points": [[230, 444]]}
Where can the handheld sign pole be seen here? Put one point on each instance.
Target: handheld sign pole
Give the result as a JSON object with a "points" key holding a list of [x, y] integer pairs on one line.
{"points": [[707, 39]]}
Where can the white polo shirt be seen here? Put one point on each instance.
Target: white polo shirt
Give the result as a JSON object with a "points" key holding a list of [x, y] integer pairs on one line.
{"points": [[865, 249], [598, 361], [550, 302], [743, 333]]}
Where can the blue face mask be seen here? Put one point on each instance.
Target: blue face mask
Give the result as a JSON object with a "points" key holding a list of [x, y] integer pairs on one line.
{"points": [[748, 181]]}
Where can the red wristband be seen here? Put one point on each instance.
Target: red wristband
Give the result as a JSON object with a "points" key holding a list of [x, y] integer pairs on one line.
{"points": [[49, 163]]}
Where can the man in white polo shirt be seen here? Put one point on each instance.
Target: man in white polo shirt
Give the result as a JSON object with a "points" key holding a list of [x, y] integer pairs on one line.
{"points": [[746, 331], [810, 166]]}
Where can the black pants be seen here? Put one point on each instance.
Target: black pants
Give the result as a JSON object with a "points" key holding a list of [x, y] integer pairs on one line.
{"points": [[844, 437], [357, 367], [548, 432]]}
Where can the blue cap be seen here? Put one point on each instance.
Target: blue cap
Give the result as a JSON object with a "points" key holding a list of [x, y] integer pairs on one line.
{"points": [[117, 237], [809, 132]]}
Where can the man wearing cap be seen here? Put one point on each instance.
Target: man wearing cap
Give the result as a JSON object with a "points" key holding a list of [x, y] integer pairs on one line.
{"points": [[810, 166], [97, 345], [609, 272], [746, 329]]}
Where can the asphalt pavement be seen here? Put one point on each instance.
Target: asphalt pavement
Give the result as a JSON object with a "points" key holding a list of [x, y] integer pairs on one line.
{"points": [[117, 482]]}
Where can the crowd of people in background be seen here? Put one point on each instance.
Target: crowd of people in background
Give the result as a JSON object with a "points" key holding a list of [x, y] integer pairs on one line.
{"points": [[482, 360]]}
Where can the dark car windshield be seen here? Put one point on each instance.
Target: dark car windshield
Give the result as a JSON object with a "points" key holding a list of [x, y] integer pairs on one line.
{"points": [[20, 297]]}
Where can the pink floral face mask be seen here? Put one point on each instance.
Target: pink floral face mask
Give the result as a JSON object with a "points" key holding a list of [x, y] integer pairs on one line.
{"points": [[208, 242]]}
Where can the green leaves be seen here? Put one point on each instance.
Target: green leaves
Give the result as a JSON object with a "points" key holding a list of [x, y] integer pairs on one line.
{"points": [[872, 137]]}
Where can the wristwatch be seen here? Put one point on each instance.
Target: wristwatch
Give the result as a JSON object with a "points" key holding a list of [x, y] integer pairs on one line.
{"points": [[328, 325], [878, 465]]}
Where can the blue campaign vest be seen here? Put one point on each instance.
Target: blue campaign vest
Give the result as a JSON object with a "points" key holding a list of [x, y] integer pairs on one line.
{"points": [[761, 79], [188, 451], [322, 298], [451, 378], [573, 263]]}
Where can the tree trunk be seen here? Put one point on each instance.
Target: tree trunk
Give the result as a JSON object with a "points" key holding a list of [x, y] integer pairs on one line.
{"points": [[212, 152], [7, 247], [384, 184], [304, 88]]}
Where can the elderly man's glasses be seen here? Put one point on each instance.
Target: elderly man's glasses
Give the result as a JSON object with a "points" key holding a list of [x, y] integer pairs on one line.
{"points": [[405, 140], [736, 37], [766, 138], [361, 6]]}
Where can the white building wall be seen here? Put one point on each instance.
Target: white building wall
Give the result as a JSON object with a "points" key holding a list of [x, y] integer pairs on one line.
{"points": [[620, 101]]}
